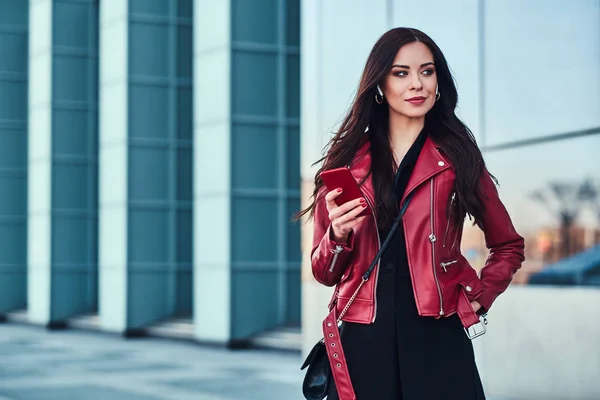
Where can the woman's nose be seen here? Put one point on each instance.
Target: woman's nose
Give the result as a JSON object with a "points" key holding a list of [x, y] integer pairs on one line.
{"points": [[416, 83]]}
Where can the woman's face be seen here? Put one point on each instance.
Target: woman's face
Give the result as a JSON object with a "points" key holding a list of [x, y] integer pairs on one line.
{"points": [[410, 86]]}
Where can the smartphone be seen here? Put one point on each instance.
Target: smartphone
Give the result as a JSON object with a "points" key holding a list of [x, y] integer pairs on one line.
{"points": [[342, 178]]}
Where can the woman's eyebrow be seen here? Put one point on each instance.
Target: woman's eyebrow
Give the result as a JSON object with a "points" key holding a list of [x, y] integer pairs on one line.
{"points": [[407, 67]]}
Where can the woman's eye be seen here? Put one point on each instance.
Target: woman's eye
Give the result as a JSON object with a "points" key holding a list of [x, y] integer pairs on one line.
{"points": [[429, 72], [401, 73]]}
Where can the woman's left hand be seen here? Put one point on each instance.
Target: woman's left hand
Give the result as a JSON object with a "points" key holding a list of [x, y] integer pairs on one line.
{"points": [[476, 306]]}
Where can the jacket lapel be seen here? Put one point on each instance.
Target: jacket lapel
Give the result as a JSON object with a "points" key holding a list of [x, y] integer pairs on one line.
{"points": [[429, 163]]}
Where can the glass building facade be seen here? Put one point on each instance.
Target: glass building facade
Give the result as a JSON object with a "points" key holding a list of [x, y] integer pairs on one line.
{"points": [[152, 152], [149, 160]]}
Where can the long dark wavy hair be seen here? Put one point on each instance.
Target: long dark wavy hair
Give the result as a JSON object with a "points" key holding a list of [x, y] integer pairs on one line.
{"points": [[446, 130]]}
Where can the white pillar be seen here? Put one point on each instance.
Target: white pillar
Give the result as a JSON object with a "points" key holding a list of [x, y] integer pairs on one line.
{"points": [[212, 170], [113, 169], [40, 161]]}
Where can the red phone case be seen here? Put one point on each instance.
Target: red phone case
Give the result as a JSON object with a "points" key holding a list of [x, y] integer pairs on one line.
{"points": [[342, 178]]}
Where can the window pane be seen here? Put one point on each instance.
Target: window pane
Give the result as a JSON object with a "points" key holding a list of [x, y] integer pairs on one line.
{"points": [[254, 21], [254, 229], [148, 110], [254, 156], [148, 176], [254, 83]]}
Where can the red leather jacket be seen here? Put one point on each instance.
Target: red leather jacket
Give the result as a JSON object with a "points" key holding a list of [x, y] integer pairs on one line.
{"points": [[440, 273]]}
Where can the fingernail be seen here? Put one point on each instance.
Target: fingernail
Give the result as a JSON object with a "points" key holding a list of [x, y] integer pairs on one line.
{"points": [[363, 200], [339, 190], [364, 205]]}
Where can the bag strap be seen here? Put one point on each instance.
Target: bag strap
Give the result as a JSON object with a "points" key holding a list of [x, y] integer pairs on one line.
{"points": [[387, 240]]}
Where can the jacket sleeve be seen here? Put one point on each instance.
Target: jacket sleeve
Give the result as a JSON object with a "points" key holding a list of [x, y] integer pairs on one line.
{"points": [[506, 246], [328, 257]]}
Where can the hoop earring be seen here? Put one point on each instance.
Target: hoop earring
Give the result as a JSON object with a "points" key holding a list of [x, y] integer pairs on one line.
{"points": [[379, 95], [437, 97]]}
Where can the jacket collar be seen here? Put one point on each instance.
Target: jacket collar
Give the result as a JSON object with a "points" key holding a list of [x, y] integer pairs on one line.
{"points": [[429, 163]]}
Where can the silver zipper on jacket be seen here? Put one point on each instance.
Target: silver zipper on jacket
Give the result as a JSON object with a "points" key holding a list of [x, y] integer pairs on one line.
{"points": [[449, 218], [445, 264], [432, 239], [378, 261], [336, 253]]}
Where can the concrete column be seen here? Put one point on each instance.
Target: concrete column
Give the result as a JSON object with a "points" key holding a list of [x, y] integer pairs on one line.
{"points": [[146, 163], [113, 126], [62, 159], [212, 170], [40, 160]]}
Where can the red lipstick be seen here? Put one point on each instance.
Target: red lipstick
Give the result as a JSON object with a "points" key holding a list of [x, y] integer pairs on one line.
{"points": [[417, 100]]}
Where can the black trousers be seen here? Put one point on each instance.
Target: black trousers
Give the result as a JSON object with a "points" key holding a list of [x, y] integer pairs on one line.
{"points": [[403, 355]]}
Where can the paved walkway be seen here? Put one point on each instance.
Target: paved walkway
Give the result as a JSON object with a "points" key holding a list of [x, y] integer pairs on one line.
{"points": [[39, 365], [36, 364]]}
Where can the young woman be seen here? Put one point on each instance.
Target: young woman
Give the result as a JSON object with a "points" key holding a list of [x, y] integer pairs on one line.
{"points": [[404, 334]]}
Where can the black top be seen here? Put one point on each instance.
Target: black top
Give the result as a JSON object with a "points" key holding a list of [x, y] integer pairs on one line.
{"points": [[405, 169]]}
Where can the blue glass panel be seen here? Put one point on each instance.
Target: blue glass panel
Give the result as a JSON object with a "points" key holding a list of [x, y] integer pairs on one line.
{"points": [[254, 83], [12, 248], [146, 298], [70, 78], [254, 229], [13, 204], [148, 169], [254, 155], [13, 52], [69, 294], [185, 128], [69, 132], [185, 165], [93, 28], [94, 80], [184, 52], [293, 87], [148, 234], [185, 8], [293, 158], [93, 186], [69, 186], [13, 100], [70, 24], [14, 12], [185, 224], [255, 302], [148, 49], [254, 21], [184, 292], [13, 295], [293, 23], [157, 7], [70, 240], [13, 148], [148, 111], [294, 252], [294, 298], [94, 137]]}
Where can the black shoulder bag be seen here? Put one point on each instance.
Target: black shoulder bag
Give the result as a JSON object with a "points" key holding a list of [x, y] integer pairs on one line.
{"points": [[318, 374]]}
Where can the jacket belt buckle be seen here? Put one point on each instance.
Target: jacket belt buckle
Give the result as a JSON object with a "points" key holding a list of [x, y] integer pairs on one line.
{"points": [[478, 329]]}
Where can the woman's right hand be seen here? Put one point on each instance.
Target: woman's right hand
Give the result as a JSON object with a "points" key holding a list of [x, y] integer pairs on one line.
{"points": [[345, 217]]}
